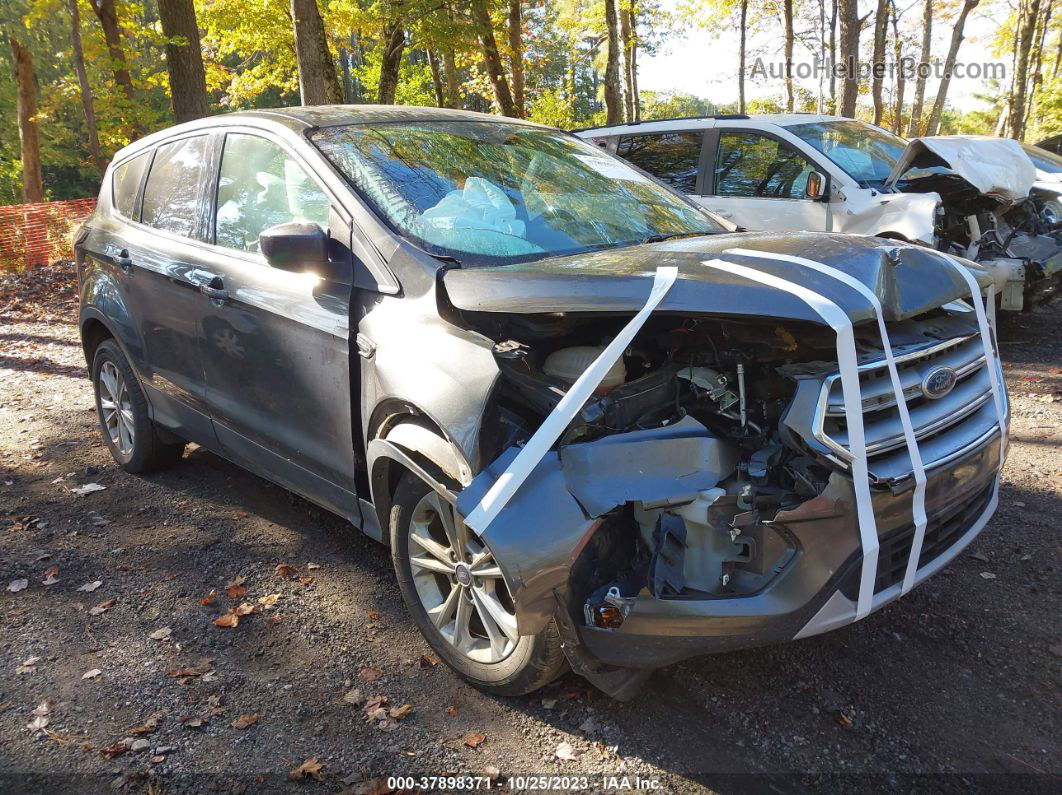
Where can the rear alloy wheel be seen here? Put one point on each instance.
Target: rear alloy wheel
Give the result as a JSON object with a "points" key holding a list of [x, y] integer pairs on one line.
{"points": [[455, 590], [128, 431]]}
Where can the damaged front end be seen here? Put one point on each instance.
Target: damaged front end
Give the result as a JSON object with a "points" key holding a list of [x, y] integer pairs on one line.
{"points": [[989, 211], [701, 499]]}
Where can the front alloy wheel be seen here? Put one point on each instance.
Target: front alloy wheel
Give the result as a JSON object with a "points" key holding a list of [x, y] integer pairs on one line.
{"points": [[455, 591]]}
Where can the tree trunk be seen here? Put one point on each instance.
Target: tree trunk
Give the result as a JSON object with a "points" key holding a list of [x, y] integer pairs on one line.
{"points": [[26, 100], [436, 79], [923, 68], [1037, 77], [318, 83], [613, 91], [901, 80], [516, 55], [833, 56], [85, 89], [184, 60], [877, 66], [394, 43], [626, 20], [741, 57], [848, 11], [107, 14], [787, 18], [636, 101], [949, 66], [453, 84], [820, 105], [491, 58], [1029, 15]]}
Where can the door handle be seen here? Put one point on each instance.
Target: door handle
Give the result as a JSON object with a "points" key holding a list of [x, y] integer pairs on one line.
{"points": [[215, 289], [123, 260]]}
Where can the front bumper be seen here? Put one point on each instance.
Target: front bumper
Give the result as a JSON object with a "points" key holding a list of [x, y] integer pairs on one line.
{"points": [[816, 591]]}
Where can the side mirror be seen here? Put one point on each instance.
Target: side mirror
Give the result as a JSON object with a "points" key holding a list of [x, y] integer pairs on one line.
{"points": [[816, 187], [296, 246]]}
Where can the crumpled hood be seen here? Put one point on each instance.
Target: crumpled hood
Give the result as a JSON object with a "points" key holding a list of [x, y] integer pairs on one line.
{"points": [[997, 167], [908, 280]]}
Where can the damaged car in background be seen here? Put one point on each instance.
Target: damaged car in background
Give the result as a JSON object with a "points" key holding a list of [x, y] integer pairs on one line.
{"points": [[971, 196], [596, 426]]}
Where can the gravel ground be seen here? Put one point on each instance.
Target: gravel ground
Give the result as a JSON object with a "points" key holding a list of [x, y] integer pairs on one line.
{"points": [[114, 675]]}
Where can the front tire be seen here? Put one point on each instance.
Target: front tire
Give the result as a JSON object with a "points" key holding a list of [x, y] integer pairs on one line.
{"points": [[128, 430], [455, 593]]}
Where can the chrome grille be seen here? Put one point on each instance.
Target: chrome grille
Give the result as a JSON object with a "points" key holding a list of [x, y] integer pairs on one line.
{"points": [[945, 427]]}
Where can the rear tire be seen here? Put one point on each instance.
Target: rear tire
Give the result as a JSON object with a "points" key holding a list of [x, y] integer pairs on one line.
{"points": [[481, 652], [128, 430]]}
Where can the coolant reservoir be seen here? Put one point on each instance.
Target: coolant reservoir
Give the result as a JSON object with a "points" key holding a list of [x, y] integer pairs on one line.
{"points": [[567, 364]]}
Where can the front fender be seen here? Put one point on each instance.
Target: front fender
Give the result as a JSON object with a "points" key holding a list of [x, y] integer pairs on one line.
{"points": [[911, 216]]}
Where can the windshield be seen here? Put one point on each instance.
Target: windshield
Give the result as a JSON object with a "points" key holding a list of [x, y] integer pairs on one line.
{"points": [[1043, 160], [865, 152], [495, 192]]}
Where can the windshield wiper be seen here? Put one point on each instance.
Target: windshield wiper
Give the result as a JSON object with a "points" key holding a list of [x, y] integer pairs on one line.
{"points": [[661, 238]]}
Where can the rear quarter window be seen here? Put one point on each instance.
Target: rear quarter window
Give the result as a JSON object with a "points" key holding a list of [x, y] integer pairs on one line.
{"points": [[175, 186], [125, 183]]}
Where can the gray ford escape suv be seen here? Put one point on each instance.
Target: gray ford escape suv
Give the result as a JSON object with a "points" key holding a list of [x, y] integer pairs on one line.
{"points": [[595, 425]]}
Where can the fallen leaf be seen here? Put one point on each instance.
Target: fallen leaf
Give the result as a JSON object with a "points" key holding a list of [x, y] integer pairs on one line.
{"points": [[102, 607], [88, 488], [272, 621], [568, 752], [311, 768], [313, 566], [306, 581], [269, 600], [236, 588], [400, 712], [987, 575], [352, 697], [451, 711], [369, 674], [28, 665], [18, 585], [193, 723], [209, 599], [51, 575], [38, 723], [428, 662], [199, 669], [549, 703], [245, 721], [158, 759], [149, 725], [244, 609], [981, 556], [843, 720], [228, 620], [89, 587], [91, 674], [474, 739], [161, 634], [115, 749], [286, 570], [490, 772], [373, 615]]}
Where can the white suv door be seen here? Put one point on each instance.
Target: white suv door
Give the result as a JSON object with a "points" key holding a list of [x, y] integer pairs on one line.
{"points": [[758, 181]]}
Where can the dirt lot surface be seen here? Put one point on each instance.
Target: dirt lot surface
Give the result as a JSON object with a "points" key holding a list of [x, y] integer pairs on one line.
{"points": [[114, 675]]}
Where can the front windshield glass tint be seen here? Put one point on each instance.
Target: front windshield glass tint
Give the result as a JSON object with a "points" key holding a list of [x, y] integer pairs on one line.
{"points": [[497, 192], [1043, 160], [866, 153]]}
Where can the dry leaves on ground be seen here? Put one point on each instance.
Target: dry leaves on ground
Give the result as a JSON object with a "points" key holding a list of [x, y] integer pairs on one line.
{"points": [[568, 752], [102, 607], [209, 599], [311, 768], [91, 674], [115, 749], [200, 668], [427, 663], [369, 674], [474, 739], [51, 576], [287, 571], [269, 600], [245, 721], [89, 587], [29, 666], [236, 588], [161, 634], [18, 585], [149, 725]]}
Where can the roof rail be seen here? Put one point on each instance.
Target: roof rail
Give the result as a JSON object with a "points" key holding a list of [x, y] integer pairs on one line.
{"points": [[676, 118]]}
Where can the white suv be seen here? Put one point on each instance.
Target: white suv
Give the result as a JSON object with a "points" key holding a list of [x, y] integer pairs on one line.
{"points": [[970, 196]]}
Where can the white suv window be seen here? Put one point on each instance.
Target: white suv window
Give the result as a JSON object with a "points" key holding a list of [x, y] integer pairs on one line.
{"points": [[261, 185], [754, 165], [672, 157]]}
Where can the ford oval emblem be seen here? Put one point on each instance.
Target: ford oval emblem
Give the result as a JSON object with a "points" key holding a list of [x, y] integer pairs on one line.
{"points": [[938, 382]]}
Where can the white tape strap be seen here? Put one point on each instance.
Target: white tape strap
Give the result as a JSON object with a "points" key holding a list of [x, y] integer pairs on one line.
{"points": [[918, 498], [987, 341], [848, 363], [499, 494]]}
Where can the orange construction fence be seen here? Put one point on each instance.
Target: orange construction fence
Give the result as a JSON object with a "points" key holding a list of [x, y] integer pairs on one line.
{"points": [[39, 234]]}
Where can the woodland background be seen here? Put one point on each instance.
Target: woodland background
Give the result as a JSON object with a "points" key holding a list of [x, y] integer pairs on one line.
{"points": [[79, 79]]}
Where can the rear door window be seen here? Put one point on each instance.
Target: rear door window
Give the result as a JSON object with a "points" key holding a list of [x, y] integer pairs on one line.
{"points": [[125, 183], [172, 196], [261, 185], [673, 157], [754, 165]]}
